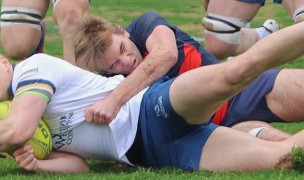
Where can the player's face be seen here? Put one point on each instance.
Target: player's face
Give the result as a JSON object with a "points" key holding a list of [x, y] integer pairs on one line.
{"points": [[122, 57], [5, 77]]}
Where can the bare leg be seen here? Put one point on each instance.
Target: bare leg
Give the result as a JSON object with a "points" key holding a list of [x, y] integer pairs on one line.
{"points": [[20, 39], [230, 150], [269, 133], [210, 86], [236, 9], [286, 100], [292, 6], [65, 13]]}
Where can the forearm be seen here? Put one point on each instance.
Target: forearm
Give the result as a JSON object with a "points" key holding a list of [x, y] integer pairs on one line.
{"points": [[62, 162], [163, 54], [7, 141], [151, 69]]}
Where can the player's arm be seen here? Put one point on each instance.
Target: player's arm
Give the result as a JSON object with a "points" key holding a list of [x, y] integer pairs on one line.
{"points": [[163, 54], [22, 120], [162, 48], [56, 162]]}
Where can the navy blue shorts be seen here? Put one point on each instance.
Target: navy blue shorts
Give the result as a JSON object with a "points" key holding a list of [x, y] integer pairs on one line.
{"points": [[262, 2], [164, 137], [250, 104]]}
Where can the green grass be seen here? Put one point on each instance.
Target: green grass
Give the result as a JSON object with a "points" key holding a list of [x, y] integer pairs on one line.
{"points": [[186, 15]]}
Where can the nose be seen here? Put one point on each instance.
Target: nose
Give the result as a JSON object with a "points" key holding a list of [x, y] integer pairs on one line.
{"points": [[125, 60]]}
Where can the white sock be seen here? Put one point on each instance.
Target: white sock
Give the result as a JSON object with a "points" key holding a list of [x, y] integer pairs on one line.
{"points": [[262, 32], [230, 58], [247, 25], [257, 131]]}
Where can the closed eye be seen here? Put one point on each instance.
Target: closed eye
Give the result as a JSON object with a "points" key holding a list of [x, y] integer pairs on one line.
{"points": [[114, 65], [122, 47]]}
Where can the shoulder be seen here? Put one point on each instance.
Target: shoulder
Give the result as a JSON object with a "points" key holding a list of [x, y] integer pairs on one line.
{"points": [[150, 14], [150, 17], [147, 19], [42, 66]]}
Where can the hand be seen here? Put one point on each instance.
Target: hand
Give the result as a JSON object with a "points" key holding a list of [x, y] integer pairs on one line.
{"points": [[120, 166], [103, 111], [24, 156]]}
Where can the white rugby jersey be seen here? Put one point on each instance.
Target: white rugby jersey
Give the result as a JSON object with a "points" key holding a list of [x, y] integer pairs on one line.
{"points": [[69, 91]]}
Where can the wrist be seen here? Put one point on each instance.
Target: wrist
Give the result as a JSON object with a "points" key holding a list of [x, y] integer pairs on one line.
{"points": [[116, 98]]}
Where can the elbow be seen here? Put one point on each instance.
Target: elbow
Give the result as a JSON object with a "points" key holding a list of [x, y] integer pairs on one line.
{"points": [[160, 64], [171, 57]]}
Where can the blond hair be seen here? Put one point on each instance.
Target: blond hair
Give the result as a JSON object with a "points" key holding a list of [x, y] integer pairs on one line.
{"points": [[91, 37]]}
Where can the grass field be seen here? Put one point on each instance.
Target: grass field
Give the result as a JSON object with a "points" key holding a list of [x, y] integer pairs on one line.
{"points": [[186, 15]]}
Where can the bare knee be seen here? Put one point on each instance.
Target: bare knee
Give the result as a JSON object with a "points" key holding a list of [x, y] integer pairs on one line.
{"points": [[19, 45], [20, 27], [218, 48], [237, 75], [222, 34]]}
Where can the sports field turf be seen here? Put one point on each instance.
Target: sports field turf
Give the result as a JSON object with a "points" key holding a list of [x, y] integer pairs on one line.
{"points": [[186, 15]]}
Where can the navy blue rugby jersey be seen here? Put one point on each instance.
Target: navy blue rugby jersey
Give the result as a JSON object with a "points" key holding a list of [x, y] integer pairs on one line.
{"points": [[190, 53]]}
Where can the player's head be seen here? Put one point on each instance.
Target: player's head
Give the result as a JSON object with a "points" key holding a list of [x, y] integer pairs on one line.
{"points": [[6, 75], [104, 47]]}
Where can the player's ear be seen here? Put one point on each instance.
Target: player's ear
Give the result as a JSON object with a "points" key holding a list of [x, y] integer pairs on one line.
{"points": [[124, 32], [5, 62]]}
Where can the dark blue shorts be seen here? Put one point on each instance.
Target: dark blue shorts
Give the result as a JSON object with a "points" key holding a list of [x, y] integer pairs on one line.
{"points": [[262, 2], [164, 137], [250, 104]]}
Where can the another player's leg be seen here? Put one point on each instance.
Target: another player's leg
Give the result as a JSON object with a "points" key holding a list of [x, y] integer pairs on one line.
{"points": [[40, 46], [278, 99], [268, 27], [223, 24], [197, 94], [231, 150], [65, 13], [261, 130], [249, 36], [286, 99], [295, 9], [20, 26]]}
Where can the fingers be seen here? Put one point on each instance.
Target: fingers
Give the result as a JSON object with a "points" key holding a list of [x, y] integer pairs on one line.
{"points": [[120, 166], [101, 112], [99, 116], [89, 114], [24, 156]]}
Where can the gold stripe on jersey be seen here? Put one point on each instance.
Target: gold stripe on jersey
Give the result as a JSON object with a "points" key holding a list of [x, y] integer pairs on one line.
{"points": [[35, 86]]}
